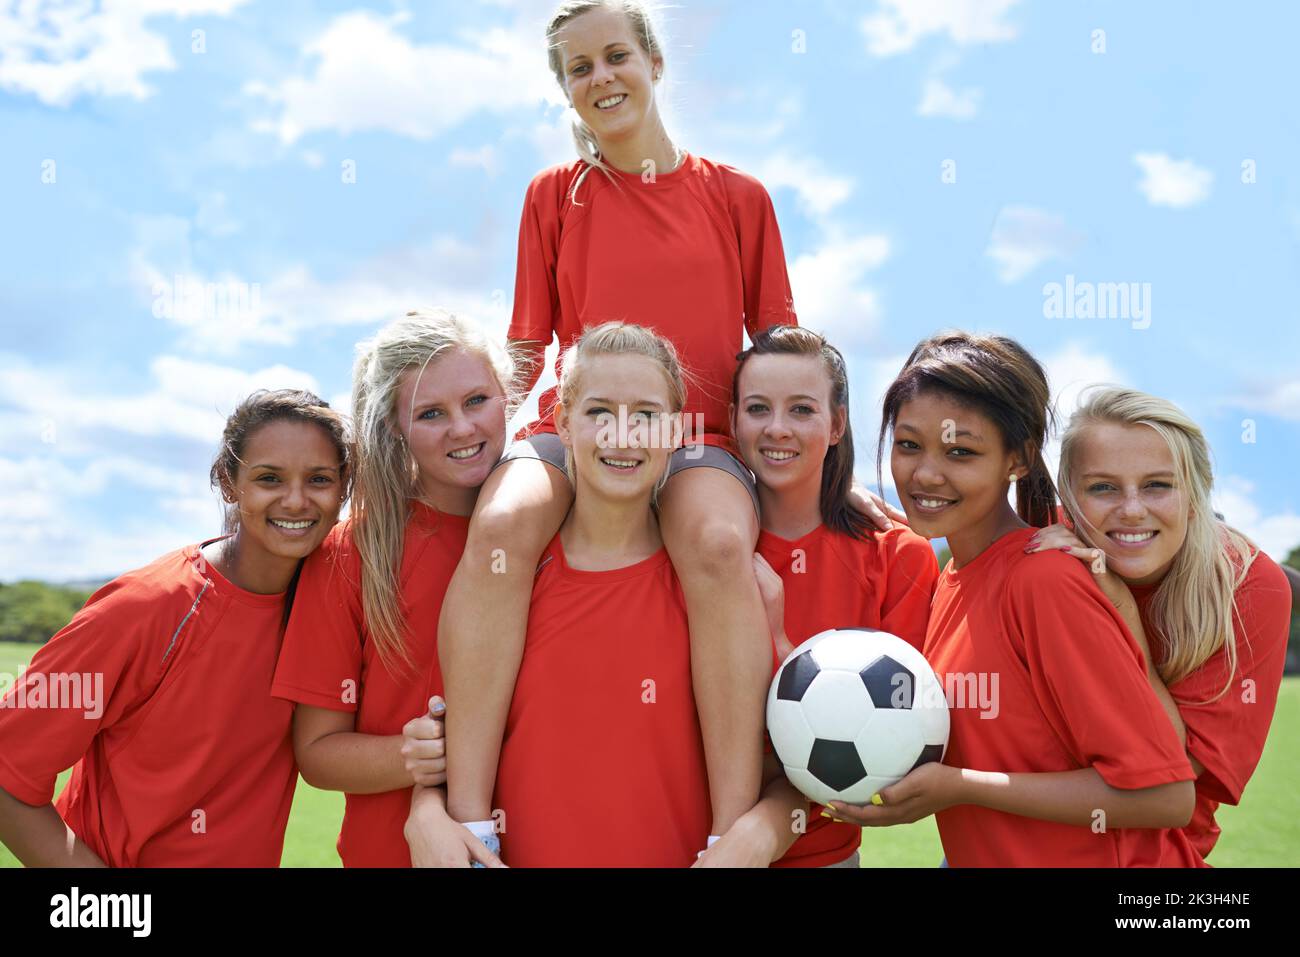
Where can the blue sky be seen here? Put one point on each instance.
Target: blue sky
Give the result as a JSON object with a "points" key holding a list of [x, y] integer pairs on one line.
{"points": [[932, 164]]}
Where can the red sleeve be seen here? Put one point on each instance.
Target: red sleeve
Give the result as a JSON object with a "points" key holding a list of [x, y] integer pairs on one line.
{"points": [[1226, 732], [1089, 676], [911, 573], [537, 297], [114, 647], [321, 656], [768, 301]]}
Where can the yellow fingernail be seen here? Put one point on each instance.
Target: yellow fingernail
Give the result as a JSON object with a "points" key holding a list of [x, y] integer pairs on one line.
{"points": [[828, 814], [877, 800]]}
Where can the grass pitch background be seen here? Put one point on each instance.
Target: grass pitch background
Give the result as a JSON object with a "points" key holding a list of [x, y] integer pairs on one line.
{"points": [[1263, 832]]}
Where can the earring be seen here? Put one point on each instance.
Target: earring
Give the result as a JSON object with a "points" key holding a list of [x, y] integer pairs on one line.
{"points": [[1012, 478]]}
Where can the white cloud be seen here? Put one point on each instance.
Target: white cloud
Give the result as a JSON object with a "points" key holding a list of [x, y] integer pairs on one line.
{"points": [[54, 529], [184, 399], [1276, 534], [1281, 400], [60, 51], [828, 291], [819, 190], [1070, 371], [896, 25], [220, 314], [365, 75], [1169, 182], [484, 158], [1023, 238], [939, 99], [74, 454], [214, 217]]}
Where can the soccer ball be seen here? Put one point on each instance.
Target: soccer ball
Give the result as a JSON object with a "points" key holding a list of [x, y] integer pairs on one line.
{"points": [[851, 711]]}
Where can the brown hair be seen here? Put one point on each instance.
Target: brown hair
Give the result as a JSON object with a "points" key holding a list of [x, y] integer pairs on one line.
{"points": [[837, 510], [997, 377], [262, 408]]}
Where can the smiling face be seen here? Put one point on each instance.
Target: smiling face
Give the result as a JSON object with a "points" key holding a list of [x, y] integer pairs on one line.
{"points": [[1130, 499], [785, 421], [452, 415], [289, 489], [949, 465], [615, 464], [608, 76]]}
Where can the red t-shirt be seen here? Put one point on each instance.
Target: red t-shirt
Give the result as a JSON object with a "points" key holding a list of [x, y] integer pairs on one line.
{"points": [[328, 661], [187, 761], [1072, 693], [833, 580], [1227, 734], [695, 255], [602, 764]]}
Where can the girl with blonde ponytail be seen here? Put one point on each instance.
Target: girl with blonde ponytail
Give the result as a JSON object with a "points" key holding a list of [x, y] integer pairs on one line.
{"points": [[430, 400], [602, 763], [1209, 609], [687, 247], [1054, 729]]}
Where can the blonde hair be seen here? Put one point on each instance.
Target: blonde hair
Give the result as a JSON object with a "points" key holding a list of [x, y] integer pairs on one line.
{"points": [[1193, 606], [584, 137], [386, 474], [619, 339]]}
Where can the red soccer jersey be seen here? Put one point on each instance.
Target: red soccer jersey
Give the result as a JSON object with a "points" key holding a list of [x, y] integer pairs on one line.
{"points": [[187, 760], [1071, 692], [602, 763], [696, 255], [328, 661], [835, 581], [1226, 733]]}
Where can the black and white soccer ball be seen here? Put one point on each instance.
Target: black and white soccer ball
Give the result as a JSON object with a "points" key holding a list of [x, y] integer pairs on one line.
{"points": [[851, 711]]}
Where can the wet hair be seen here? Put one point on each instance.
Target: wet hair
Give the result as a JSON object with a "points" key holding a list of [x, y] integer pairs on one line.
{"points": [[386, 473], [997, 377], [1192, 607], [639, 19], [262, 408], [619, 339], [837, 509]]}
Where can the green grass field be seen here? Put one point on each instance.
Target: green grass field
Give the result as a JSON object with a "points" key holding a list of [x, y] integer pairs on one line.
{"points": [[1263, 832]]}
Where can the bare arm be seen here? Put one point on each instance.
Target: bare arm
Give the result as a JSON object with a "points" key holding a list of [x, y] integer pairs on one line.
{"points": [[777, 809], [766, 831], [1066, 797], [333, 757], [1075, 797], [38, 837]]}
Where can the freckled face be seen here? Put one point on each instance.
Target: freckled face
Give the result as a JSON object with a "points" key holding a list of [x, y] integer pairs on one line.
{"points": [[452, 415], [1131, 501]]}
